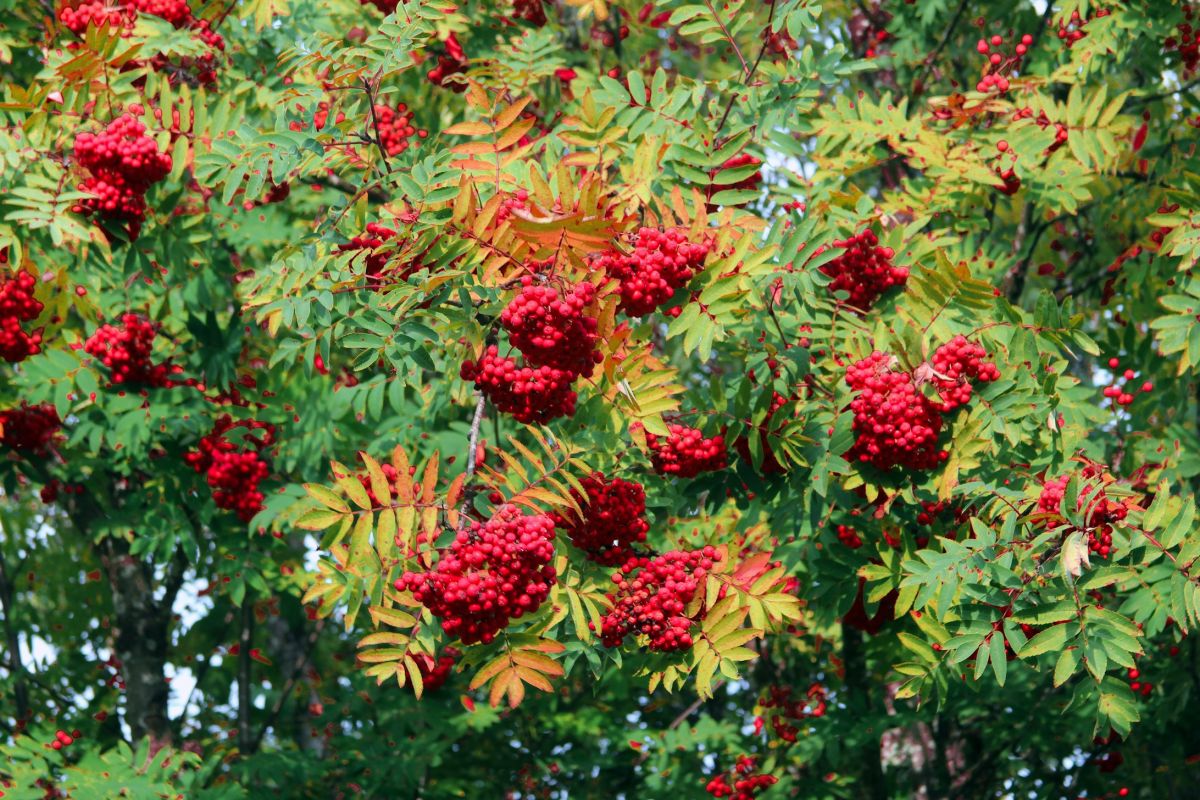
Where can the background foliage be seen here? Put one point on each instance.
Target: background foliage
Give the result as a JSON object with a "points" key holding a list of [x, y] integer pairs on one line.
{"points": [[970, 645]]}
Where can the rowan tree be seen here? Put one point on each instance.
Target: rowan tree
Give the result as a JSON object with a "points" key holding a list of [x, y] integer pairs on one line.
{"points": [[573, 398]]}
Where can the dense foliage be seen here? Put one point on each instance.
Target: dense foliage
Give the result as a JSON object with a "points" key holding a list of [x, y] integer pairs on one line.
{"points": [[564, 398]]}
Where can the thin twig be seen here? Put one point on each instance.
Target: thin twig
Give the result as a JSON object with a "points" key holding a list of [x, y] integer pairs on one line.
{"points": [[472, 447], [937, 51]]}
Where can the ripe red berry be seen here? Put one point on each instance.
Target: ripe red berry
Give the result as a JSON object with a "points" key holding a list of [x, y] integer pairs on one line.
{"points": [[660, 263], [652, 597], [864, 270], [492, 573]]}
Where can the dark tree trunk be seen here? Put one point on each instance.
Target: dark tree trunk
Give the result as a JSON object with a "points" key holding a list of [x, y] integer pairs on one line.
{"points": [[859, 690], [141, 634], [13, 644]]}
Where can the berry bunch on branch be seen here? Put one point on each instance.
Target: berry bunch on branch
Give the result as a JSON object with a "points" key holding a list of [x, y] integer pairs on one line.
{"points": [[660, 263], [494, 572], [29, 429], [17, 307], [743, 782], [1098, 511], [686, 452], [557, 340], [895, 423], [863, 270], [654, 599], [234, 465], [123, 163], [612, 521], [126, 350]]}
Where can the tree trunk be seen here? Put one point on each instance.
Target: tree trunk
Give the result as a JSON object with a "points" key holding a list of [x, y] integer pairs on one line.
{"points": [[859, 690], [141, 635]]}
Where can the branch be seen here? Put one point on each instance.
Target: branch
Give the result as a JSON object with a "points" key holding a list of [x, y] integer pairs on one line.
{"points": [[1150, 98], [334, 182], [937, 51], [277, 707], [749, 73], [472, 447]]}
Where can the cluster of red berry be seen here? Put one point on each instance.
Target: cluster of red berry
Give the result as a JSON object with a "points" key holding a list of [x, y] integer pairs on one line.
{"points": [[955, 365], [864, 270], [999, 66], [435, 671], [558, 342], [493, 572], [533, 395], [1139, 684], [653, 602], [660, 263], [788, 709], [452, 61], [29, 429], [124, 163], [612, 519], [395, 129], [122, 15], [1124, 395], [63, 739], [1071, 29], [895, 423], [1187, 43], [1099, 512], [552, 330], [685, 453], [849, 537], [234, 470], [18, 305], [742, 782], [127, 349]]}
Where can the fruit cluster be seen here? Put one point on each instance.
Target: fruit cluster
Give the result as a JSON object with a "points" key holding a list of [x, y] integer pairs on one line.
{"points": [[453, 61], [63, 739], [1124, 395], [742, 782], [955, 365], [552, 330], [29, 429], [685, 453], [1071, 29], [788, 709], [1000, 65], [533, 395], [1099, 512], [493, 572], [661, 262], [17, 306], [654, 602], [864, 270], [612, 522], [395, 129], [77, 17], [126, 350], [895, 423], [1187, 43], [124, 163], [234, 470]]}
